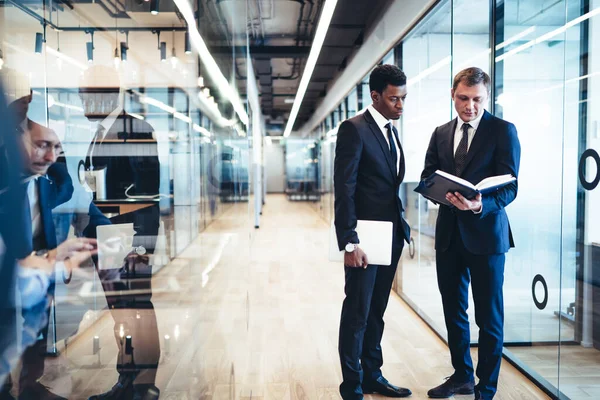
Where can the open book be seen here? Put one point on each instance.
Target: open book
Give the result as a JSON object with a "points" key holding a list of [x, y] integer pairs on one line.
{"points": [[439, 183]]}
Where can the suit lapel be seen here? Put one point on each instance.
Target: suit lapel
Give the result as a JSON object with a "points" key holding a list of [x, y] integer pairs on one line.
{"points": [[402, 166], [478, 139], [382, 143], [46, 204], [27, 222], [449, 148]]}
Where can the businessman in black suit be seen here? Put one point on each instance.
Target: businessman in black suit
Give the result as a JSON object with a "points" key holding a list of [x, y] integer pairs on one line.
{"points": [[473, 236], [369, 168], [131, 169]]}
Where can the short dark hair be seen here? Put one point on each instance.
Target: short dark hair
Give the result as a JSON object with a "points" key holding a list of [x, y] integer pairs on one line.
{"points": [[384, 75], [472, 76]]}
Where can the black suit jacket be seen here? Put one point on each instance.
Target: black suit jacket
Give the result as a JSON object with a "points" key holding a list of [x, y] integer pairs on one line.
{"points": [[495, 150], [130, 163], [127, 163], [366, 185]]}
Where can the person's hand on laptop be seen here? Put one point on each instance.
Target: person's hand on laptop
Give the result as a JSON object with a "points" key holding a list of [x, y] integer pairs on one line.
{"points": [[73, 247], [356, 259]]}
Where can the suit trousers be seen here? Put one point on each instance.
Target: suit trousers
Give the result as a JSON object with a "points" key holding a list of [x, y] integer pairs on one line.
{"points": [[455, 268], [361, 326], [129, 299]]}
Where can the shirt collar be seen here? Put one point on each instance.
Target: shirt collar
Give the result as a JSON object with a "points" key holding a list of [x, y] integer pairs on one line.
{"points": [[24, 125], [474, 124], [109, 121], [380, 120]]}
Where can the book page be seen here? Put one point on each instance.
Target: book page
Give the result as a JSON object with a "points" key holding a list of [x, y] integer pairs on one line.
{"points": [[494, 181], [456, 179]]}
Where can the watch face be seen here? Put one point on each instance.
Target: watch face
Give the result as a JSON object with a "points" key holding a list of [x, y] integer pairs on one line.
{"points": [[349, 247], [41, 253]]}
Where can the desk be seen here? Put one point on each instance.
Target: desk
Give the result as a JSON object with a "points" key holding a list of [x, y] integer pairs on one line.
{"points": [[124, 206]]}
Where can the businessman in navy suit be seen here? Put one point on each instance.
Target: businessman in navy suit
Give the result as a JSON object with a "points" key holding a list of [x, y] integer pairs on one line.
{"points": [[368, 170], [472, 237], [47, 185]]}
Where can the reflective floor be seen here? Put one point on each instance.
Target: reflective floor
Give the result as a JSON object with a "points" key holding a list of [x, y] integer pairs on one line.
{"points": [[253, 314]]}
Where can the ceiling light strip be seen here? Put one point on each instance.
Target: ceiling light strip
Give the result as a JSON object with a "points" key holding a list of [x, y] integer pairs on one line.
{"points": [[549, 35], [315, 50], [209, 62]]}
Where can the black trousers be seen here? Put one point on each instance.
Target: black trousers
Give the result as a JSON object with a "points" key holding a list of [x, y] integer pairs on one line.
{"points": [[361, 326], [129, 298], [455, 268]]}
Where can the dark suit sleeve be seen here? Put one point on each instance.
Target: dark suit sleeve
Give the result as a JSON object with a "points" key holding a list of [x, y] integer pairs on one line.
{"points": [[96, 219], [508, 156], [345, 173], [432, 162], [62, 182]]}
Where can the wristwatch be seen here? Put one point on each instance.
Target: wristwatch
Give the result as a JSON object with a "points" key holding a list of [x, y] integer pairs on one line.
{"points": [[44, 253], [350, 247]]}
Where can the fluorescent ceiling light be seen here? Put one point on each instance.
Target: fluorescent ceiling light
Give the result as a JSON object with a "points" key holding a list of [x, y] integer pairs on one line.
{"points": [[288, 101], [64, 57], [515, 38], [202, 130], [317, 44], [549, 35], [138, 116], [182, 117], [68, 106], [209, 62], [428, 71], [158, 104]]}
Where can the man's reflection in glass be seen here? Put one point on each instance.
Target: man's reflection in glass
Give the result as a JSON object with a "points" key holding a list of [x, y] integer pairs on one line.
{"points": [[46, 185], [122, 165]]}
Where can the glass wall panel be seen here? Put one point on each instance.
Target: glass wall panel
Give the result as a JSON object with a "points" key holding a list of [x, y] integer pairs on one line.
{"points": [[427, 65], [123, 143], [302, 169]]}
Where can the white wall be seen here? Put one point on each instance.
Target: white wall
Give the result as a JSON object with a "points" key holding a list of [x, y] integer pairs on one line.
{"points": [[275, 168]]}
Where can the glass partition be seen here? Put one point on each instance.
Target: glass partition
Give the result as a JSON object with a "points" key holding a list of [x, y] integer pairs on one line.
{"points": [[135, 135]]}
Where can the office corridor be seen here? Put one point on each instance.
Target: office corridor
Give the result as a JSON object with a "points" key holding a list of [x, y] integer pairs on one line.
{"points": [[253, 314]]}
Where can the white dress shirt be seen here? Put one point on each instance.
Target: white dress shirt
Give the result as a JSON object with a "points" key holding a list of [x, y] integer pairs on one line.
{"points": [[34, 208], [106, 125], [458, 133], [109, 121], [381, 122]]}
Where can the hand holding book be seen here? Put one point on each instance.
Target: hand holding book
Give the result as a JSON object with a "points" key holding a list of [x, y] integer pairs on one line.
{"points": [[436, 186]]}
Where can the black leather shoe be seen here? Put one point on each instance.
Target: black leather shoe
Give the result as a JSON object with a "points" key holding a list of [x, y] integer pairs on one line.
{"points": [[383, 387], [450, 388], [146, 392], [122, 390]]}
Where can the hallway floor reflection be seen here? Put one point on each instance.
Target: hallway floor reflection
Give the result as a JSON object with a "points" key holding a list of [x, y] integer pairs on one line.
{"points": [[254, 314]]}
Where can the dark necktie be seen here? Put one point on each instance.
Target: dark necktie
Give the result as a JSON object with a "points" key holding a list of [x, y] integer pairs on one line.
{"points": [[393, 151], [461, 152]]}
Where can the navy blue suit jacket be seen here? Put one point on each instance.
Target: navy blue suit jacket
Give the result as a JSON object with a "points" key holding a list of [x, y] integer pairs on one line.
{"points": [[366, 185], [54, 189], [495, 150]]}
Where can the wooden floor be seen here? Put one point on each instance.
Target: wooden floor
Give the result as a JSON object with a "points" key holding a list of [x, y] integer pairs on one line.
{"points": [[253, 314], [579, 368]]}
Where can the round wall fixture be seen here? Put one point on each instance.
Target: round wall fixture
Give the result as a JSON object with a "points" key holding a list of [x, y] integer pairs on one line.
{"points": [[539, 304], [591, 185]]}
